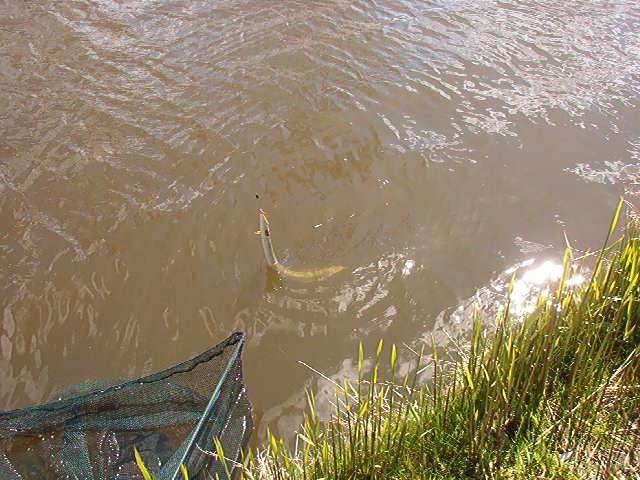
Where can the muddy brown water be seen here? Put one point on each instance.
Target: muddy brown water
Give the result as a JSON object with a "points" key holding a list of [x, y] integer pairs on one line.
{"points": [[426, 146]]}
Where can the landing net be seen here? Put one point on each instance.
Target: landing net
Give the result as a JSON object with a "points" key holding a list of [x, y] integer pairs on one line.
{"points": [[171, 417]]}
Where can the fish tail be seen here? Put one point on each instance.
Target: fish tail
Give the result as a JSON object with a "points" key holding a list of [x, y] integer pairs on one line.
{"points": [[317, 274]]}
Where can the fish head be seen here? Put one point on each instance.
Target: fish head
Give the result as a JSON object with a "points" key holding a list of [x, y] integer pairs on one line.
{"points": [[264, 224]]}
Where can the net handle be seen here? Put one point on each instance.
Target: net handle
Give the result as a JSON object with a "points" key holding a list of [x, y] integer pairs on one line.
{"points": [[209, 408]]}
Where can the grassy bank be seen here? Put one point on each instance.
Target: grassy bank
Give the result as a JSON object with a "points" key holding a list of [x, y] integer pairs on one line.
{"points": [[553, 395]]}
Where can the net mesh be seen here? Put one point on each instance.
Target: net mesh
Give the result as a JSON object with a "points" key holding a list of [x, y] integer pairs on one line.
{"points": [[171, 418]]}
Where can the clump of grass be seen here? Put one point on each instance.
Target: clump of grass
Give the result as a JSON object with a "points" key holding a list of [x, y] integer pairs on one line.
{"points": [[553, 395]]}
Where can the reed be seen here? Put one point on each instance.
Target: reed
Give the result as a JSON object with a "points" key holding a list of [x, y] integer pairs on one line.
{"points": [[555, 394]]}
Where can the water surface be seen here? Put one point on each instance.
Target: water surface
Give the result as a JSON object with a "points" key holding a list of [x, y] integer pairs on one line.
{"points": [[426, 146]]}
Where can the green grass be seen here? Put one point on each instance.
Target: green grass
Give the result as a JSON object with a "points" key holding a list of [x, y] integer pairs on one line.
{"points": [[553, 395]]}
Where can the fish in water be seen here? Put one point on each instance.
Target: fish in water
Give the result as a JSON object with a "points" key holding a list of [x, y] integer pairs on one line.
{"points": [[272, 261]]}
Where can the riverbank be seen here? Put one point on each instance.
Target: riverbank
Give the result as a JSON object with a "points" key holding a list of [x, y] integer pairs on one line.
{"points": [[555, 394]]}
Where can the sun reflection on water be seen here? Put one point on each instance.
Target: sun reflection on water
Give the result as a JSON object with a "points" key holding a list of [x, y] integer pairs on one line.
{"points": [[535, 282]]}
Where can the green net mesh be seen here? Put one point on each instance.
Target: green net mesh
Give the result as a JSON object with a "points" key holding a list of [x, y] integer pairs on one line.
{"points": [[171, 417]]}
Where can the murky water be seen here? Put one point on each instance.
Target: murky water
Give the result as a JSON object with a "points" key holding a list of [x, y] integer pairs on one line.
{"points": [[425, 146]]}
